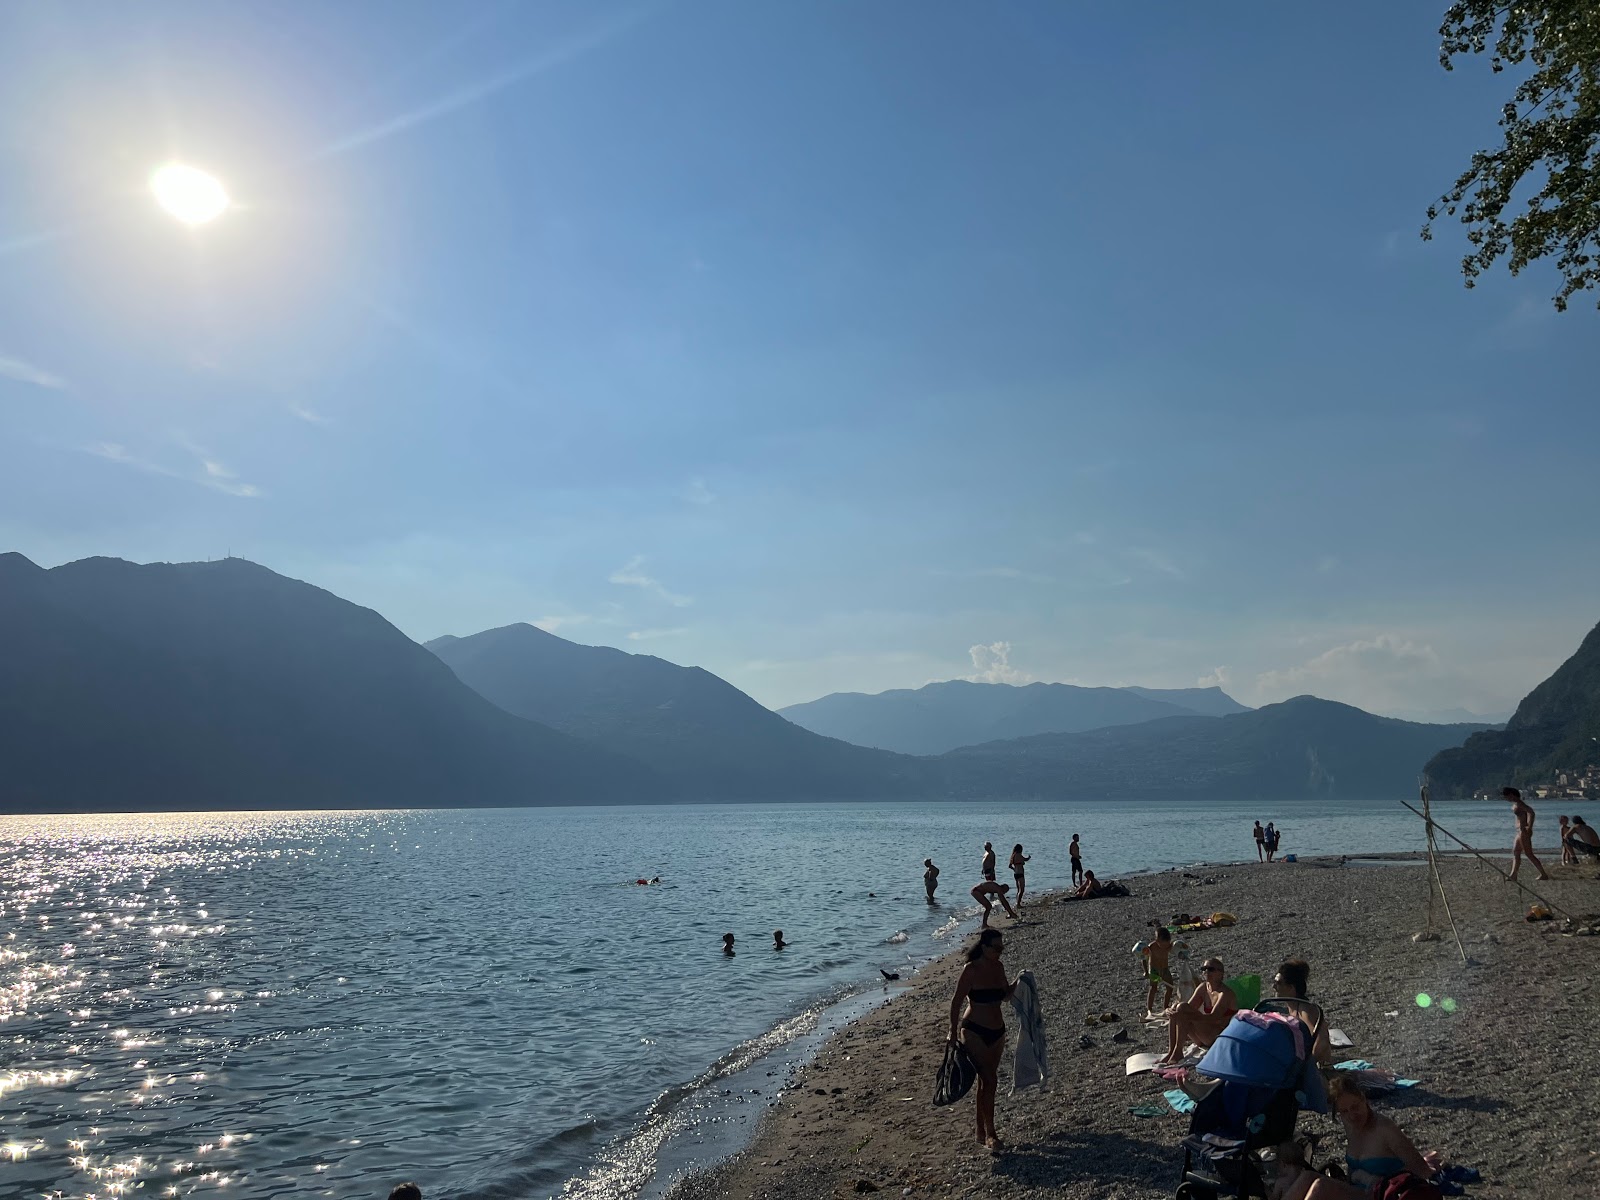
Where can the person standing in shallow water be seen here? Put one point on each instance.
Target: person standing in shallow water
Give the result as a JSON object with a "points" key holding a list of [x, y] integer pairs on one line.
{"points": [[1075, 852], [1019, 864], [930, 878], [1522, 847], [981, 989], [988, 861]]}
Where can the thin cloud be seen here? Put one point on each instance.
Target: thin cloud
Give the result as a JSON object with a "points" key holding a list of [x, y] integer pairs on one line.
{"points": [[557, 55], [632, 575], [650, 635], [551, 624], [212, 473], [1156, 561], [309, 416], [698, 491], [26, 372]]}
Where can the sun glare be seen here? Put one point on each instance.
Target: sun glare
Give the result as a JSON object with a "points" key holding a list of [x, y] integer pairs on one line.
{"points": [[188, 193]]}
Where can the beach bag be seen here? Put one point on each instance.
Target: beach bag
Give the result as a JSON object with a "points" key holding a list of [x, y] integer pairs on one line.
{"points": [[1406, 1186], [957, 1073]]}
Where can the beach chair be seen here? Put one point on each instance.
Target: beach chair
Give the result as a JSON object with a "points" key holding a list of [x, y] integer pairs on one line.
{"points": [[1265, 1073]]}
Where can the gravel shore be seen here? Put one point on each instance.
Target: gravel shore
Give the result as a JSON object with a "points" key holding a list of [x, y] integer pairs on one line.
{"points": [[1505, 1083]]}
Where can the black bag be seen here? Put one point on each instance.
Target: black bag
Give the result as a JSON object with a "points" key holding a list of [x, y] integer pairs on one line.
{"points": [[956, 1075]]}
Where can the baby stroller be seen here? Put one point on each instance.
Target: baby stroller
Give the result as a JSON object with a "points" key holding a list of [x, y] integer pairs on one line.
{"points": [[1265, 1074]]}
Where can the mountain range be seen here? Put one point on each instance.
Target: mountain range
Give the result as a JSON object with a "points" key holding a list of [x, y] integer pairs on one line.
{"points": [[224, 685], [1555, 728], [943, 716]]}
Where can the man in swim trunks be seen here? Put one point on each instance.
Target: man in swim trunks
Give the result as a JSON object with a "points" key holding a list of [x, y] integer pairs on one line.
{"points": [[1075, 850], [1523, 845], [1156, 958], [988, 861]]}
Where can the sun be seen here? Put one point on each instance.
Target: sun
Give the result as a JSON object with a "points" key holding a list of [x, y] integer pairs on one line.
{"points": [[188, 193]]}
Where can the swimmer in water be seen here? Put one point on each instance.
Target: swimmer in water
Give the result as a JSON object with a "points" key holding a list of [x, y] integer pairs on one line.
{"points": [[727, 944], [777, 940]]}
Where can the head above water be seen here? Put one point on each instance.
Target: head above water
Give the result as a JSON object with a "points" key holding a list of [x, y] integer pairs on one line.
{"points": [[405, 1191], [1293, 978], [727, 939], [1510, 793], [989, 939]]}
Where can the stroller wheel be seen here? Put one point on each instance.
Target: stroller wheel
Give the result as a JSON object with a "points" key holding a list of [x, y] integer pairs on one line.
{"points": [[1193, 1191]]}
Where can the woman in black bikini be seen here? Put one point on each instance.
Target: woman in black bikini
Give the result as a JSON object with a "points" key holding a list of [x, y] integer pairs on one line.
{"points": [[981, 988], [1019, 864]]}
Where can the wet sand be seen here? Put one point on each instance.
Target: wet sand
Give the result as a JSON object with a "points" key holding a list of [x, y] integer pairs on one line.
{"points": [[1507, 1084]]}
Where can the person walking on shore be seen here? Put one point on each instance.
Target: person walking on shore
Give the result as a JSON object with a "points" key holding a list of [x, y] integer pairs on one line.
{"points": [[988, 861], [1075, 851], [1019, 862], [1522, 847], [980, 1028], [930, 878], [1261, 843]]}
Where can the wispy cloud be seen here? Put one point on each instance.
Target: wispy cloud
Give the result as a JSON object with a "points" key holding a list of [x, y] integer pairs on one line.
{"points": [[1217, 678], [991, 663], [557, 55], [308, 415], [1155, 560], [632, 575], [697, 491], [15, 368], [551, 624], [995, 572], [650, 635], [206, 471]]}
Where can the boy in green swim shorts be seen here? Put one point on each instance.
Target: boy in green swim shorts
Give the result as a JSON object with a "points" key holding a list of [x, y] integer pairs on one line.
{"points": [[1158, 971]]}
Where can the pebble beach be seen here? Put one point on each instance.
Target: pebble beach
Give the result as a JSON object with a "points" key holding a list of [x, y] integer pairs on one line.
{"points": [[1500, 1045]]}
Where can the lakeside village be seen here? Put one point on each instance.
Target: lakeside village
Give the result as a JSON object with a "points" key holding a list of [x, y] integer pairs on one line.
{"points": [[1580, 784]]}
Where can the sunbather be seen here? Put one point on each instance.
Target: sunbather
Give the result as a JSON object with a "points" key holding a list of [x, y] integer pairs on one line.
{"points": [[1088, 889], [1203, 1016], [1290, 984], [1381, 1159]]}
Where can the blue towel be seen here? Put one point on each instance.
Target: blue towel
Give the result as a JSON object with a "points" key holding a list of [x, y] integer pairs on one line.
{"points": [[1180, 1100], [1353, 1064]]}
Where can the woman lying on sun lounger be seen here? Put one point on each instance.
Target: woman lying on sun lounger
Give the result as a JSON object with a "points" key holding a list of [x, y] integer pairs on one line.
{"points": [[1383, 1163], [1203, 1015]]}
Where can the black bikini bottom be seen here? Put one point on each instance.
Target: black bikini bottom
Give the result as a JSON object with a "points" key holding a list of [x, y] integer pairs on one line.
{"points": [[989, 1036]]}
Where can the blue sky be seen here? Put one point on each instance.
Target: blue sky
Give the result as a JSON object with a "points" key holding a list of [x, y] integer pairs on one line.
{"points": [[830, 346]]}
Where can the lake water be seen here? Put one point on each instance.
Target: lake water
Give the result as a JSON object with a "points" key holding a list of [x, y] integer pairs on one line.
{"points": [[267, 1004]]}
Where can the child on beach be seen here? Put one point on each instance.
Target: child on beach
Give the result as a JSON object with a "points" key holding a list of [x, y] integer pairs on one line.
{"points": [[1158, 970]]}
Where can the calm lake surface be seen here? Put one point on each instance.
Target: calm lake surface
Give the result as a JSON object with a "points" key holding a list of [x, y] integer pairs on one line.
{"points": [[270, 1004]]}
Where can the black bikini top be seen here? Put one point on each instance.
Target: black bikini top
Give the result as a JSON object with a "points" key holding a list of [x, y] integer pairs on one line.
{"points": [[987, 995]]}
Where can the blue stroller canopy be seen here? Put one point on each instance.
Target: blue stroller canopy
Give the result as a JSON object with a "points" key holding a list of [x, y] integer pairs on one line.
{"points": [[1263, 1051]]}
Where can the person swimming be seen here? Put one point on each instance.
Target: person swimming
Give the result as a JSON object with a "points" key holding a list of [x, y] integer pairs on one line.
{"points": [[777, 940], [727, 944]]}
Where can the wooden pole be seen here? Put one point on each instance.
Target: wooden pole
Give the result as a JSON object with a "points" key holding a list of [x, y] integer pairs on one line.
{"points": [[1438, 882], [1493, 865]]}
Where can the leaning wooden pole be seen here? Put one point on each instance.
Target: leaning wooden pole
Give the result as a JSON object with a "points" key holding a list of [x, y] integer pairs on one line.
{"points": [[1492, 864], [1438, 881]]}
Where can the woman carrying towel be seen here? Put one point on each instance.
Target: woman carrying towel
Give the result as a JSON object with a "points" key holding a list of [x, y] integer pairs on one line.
{"points": [[982, 988]]}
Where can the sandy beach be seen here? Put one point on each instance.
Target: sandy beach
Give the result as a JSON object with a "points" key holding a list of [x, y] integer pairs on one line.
{"points": [[1504, 1077]]}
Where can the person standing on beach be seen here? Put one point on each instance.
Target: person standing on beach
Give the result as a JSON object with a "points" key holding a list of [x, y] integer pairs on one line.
{"points": [[1271, 837], [1522, 847], [1261, 843], [1568, 857], [930, 878], [988, 861], [981, 1029], [1157, 966], [1075, 851], [1019, 862]]}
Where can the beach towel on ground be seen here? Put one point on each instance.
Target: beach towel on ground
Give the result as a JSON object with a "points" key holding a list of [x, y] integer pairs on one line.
{"points": [[1179, 1100], [1031, 1063], [957, 1073]]}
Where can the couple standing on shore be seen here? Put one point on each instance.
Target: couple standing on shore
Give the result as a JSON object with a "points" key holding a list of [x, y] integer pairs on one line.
{"points": [[1266, 842]]}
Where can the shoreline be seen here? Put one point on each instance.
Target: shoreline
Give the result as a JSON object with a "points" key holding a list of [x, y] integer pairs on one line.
{"points": [[856, 1116]]}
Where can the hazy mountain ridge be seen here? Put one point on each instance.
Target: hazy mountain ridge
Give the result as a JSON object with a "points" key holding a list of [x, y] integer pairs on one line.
{"points": [[683, 721], [1304, 748], [1555, 728], [225, 685], [939, 717]]}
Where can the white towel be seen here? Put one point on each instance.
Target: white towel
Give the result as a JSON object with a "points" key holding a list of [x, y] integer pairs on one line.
{"points": [[1031, 1064]]}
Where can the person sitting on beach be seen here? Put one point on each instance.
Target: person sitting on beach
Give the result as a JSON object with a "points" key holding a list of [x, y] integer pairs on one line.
{"points": [[1379, 1156], [988, 888], [405, 1191], [988, 861], [1075, 852], [777, 940], [930, 878], [981, 1029], [1203, 1016], [727, 944], [1157, 968], [1087, 890], [1583, 839], [1290, 983], [1018, 864]]}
